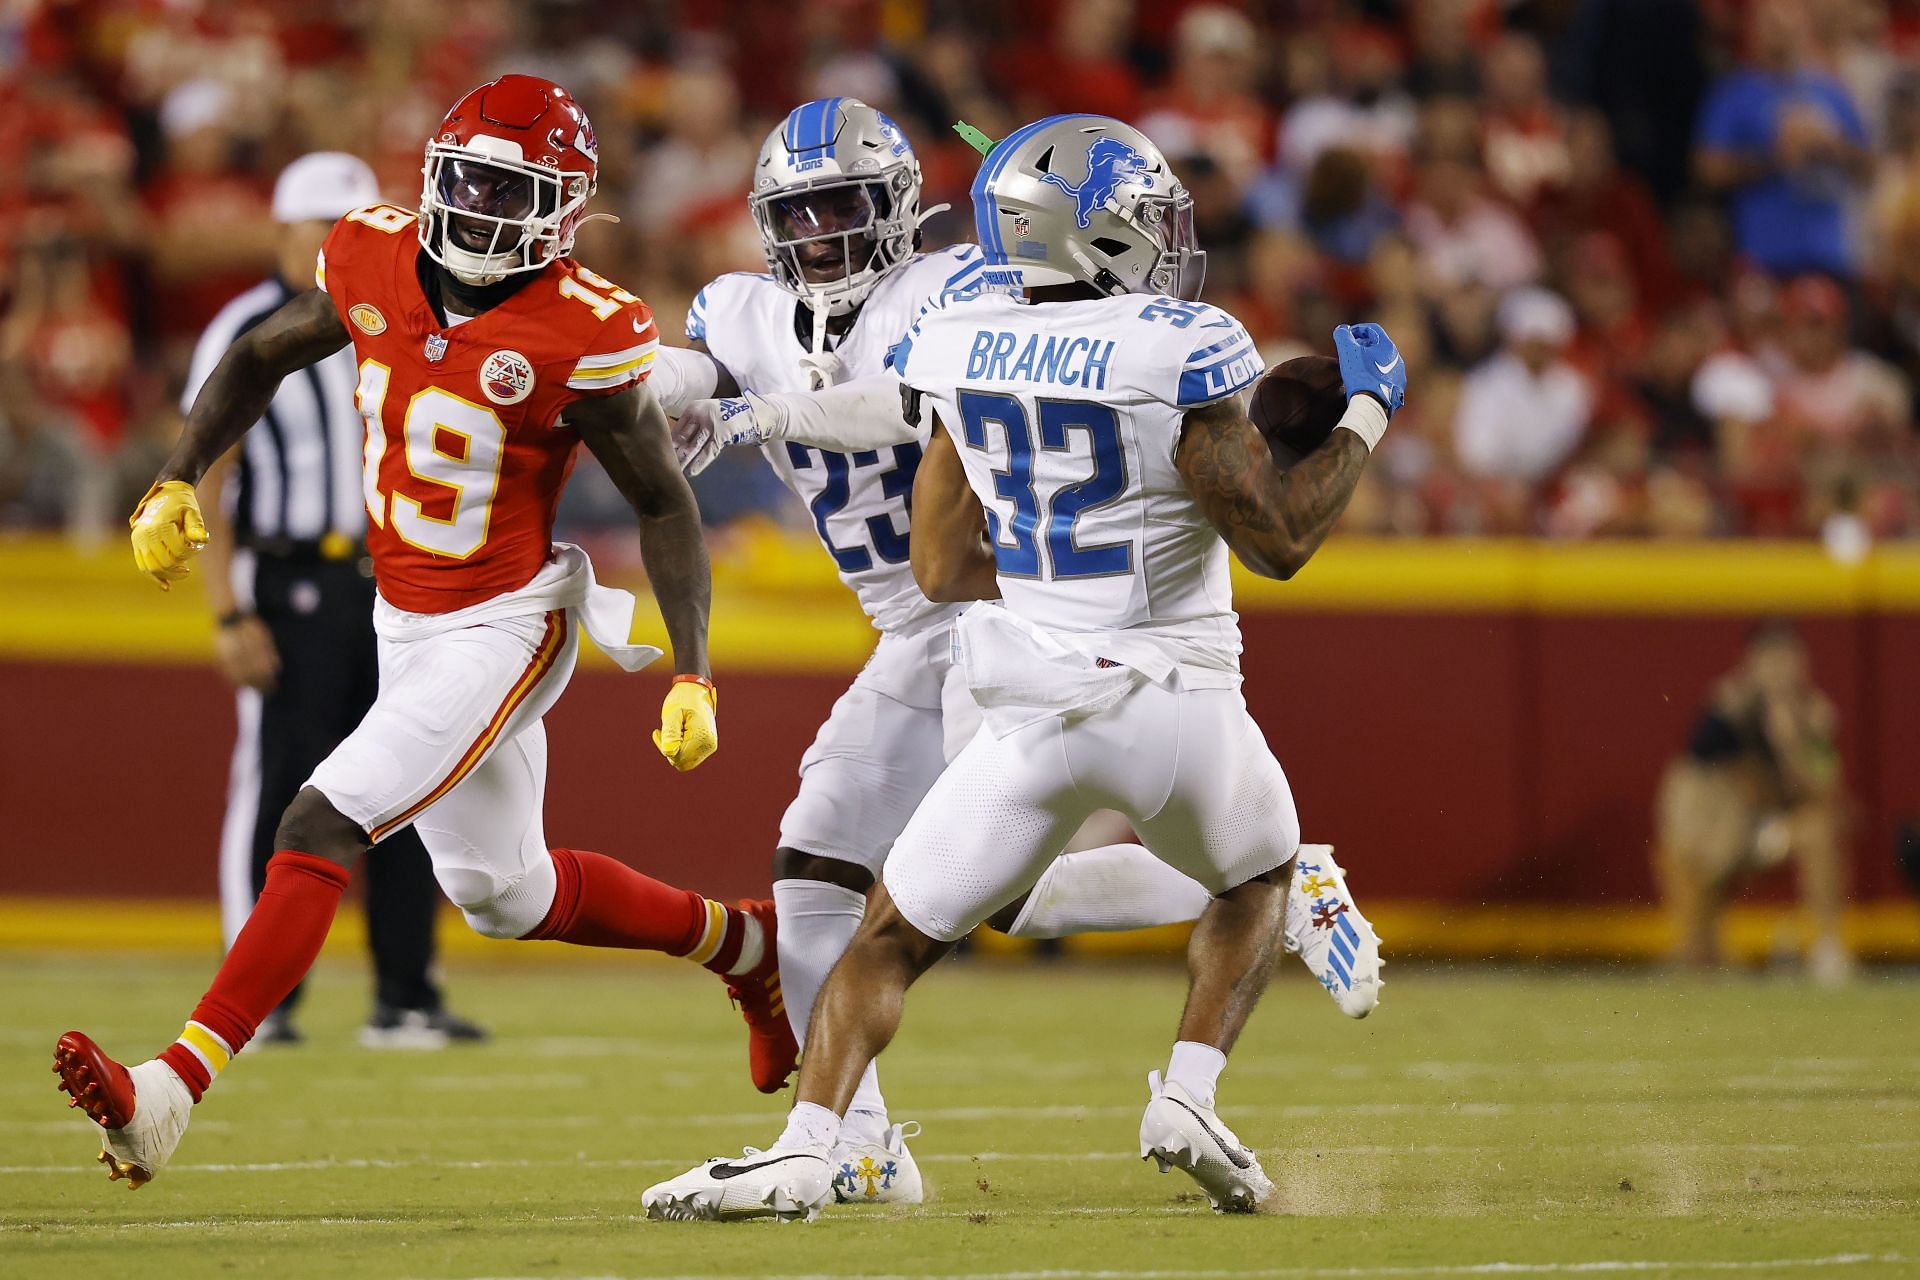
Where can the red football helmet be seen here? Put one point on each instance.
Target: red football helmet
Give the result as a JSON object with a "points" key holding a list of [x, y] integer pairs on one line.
{"points": [[508, 177]]}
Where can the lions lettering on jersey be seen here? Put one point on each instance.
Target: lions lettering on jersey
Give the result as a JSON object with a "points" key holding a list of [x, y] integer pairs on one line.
{"points": [[1067, 416], [466, 450], [861, 502]]}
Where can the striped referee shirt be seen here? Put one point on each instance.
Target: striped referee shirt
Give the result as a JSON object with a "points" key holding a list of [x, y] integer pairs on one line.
{"points": [[298, 473]]}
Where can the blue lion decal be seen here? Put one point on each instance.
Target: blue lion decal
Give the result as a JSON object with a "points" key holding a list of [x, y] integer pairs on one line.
{"points": [[1110, 162]]}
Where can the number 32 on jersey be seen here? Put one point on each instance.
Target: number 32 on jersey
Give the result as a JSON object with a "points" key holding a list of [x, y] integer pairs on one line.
{"points": [[453, 448]]}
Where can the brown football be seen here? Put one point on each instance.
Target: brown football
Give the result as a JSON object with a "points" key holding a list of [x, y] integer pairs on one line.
{"points": [[1297, 404]]}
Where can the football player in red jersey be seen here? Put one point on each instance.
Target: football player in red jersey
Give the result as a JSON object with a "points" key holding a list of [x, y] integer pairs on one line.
{"points": [[486, 356]]}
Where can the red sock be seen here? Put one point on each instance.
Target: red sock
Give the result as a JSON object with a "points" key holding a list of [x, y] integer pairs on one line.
{"points": [[603, 902], [273, 952]]}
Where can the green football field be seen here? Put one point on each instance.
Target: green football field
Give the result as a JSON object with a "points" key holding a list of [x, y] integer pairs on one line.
{"points": [[1481, 1123]]}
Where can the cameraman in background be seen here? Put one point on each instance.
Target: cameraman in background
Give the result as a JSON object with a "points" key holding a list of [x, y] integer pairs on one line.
{"points": [[1759, 783]]}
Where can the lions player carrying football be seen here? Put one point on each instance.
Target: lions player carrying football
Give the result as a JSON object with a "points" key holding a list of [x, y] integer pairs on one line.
{"points": [[836, 195], [487, 355], [1105, 659]]}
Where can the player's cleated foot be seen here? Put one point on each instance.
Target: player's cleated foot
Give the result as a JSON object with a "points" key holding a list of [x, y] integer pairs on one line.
{"points": [[1325, 927], [772, 1052], [1178, 1133], [789, 1185], [882, 1172], [392, 1027], [141, 1112]]}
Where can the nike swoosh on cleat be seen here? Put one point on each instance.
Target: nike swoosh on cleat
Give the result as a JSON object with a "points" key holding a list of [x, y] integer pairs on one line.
{"points": [[1390, 365], [725, 1171], [1240, 1159]]}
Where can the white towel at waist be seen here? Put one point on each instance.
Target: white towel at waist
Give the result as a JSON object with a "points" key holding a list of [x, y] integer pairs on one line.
{"points": [[566, 582]]}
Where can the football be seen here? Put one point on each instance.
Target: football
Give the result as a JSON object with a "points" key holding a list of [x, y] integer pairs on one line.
{"points": [[1297, 404]]}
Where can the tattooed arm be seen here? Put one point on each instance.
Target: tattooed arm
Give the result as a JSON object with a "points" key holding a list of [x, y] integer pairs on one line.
{"points": [[304, 330], [1274, 520], [951, 558]]}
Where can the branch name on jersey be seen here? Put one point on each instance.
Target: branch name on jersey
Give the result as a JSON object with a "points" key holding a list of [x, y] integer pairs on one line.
{"points": [[860, 502], [467, 448], [1067, 416]]}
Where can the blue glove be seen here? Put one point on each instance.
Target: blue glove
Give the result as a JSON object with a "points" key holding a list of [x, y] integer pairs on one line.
{"points": [[1370, 364]]}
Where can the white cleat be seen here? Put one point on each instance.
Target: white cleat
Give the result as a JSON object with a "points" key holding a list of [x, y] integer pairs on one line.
{"points": [[1325, 928], [1178, 1133], [141, 1112], [880, 1172], [788, 1185]]}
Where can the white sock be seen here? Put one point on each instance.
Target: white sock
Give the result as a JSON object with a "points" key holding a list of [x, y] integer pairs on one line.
{"points": [[809, 1125], [866, 1118], [753, 947], [1119, 886], [1196, 1068], [817, 921]]}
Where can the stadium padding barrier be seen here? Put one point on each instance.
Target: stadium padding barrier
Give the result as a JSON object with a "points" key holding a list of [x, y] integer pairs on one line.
{"points": [[1471, 723]]}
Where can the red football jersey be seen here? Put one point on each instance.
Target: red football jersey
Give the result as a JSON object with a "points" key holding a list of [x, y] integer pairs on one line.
{"points": [[467, 450]]}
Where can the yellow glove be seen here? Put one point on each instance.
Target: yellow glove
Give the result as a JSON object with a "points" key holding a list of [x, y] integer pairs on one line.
{"points": [[167, 532], [688, 732]]}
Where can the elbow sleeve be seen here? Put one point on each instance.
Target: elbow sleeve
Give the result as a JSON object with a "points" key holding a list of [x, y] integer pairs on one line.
{"points": [[847, 418], [681, 376]]}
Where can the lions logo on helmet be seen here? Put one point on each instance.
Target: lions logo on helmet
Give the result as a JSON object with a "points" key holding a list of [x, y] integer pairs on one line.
{"points": [[1110, 162], [836, 195], [1123, 223]]}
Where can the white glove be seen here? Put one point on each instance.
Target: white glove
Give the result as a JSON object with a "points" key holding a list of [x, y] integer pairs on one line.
{"points": [[708, 426], [822, 370]]}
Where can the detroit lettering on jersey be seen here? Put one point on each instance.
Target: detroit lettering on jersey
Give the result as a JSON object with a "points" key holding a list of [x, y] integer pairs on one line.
{"points": [[1076, 361]]}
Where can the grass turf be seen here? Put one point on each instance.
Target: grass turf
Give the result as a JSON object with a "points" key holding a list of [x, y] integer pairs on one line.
{"points": [[1551, 1122]]}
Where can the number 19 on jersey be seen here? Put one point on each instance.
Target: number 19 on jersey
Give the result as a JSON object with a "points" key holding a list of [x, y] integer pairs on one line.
{"points": [[452, 447]]}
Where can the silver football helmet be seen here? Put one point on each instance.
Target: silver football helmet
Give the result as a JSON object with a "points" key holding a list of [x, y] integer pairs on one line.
{"points": [[836, 195], [1086, 199]]}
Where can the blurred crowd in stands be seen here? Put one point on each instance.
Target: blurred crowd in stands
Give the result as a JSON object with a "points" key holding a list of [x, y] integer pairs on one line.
{"points": [[1655, 264]]}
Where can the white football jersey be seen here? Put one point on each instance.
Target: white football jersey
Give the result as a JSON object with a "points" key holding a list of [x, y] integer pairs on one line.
{"points": [[1067, 416], [859, 501]]}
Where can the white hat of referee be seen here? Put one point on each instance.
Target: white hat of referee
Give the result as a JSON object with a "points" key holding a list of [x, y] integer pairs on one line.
{"points": [[324, 186]]}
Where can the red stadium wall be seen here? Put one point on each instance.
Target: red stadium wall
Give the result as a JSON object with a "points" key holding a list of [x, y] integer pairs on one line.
{"points": [[1466, 757]]}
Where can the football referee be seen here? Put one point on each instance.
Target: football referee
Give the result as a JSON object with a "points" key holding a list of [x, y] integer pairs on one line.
{"points": [[292, 591]]}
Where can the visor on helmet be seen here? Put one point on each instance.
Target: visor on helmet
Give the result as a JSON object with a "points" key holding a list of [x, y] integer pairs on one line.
{"points": [[485, 219], [1180, 267], [1183, 257], [825, 236]]}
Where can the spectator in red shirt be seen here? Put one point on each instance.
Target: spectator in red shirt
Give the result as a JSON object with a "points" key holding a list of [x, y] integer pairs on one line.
{"points": [[1831, 392], [211, 235], [1598, 195], [1525, 145], [1208, 107], [1085, 67]]}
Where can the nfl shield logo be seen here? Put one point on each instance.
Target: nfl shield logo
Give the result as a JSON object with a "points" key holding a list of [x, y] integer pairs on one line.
{"points": [[436, 348], [1022, 224]]}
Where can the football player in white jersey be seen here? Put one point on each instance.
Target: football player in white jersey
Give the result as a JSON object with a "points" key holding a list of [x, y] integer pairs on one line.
{"points": [[1090, 464], [836, 194], [801, 353]]}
